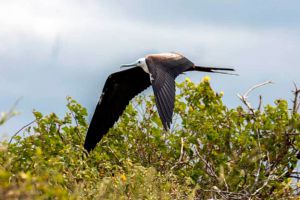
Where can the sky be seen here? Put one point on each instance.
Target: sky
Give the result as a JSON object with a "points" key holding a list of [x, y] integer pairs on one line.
{"points": [[53, 49]]}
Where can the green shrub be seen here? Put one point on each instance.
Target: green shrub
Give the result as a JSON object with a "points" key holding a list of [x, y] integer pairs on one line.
{"points": [[211, 151]]}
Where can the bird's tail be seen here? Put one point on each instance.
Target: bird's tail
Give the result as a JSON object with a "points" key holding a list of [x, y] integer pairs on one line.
{"points": [[219, 70]]}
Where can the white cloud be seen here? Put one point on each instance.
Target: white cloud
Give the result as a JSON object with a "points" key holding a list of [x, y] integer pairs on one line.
{"points": [[69, 47], [88, 33]]}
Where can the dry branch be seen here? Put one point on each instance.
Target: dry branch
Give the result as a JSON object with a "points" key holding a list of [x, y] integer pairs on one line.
{"points": [[14, 135], [245, 96], [296, 104]]}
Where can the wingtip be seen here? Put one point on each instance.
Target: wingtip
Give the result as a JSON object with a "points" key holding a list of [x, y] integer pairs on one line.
{"points": [[89, 143], [166, 126], [87, 147]]}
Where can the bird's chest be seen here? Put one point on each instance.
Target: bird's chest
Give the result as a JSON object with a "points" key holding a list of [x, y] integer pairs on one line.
{"points": [[146, 69]]}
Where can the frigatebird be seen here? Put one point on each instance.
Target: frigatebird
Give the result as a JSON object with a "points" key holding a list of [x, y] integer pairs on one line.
{"points": [[158, 70]]}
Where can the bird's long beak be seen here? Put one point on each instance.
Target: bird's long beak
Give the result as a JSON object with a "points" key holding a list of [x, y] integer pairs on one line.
{"points": [[129, 65]]}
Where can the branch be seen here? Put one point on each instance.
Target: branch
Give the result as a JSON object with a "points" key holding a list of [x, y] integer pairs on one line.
{"points": [[260, 102], [260, 160], [211, 171], [226, 194], [270, 177], [295, 101], [256, 86], [14, 135], [115, 155], [181, 154], [296, 177], [77, 125], [7, 115], [181, 150], [245, 96]]}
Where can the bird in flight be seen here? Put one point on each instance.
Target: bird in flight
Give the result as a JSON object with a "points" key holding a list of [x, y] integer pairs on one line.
{"points": [[158, 70]]}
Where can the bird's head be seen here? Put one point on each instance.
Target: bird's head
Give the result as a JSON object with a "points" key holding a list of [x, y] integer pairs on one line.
{"points": [[138, 63]]}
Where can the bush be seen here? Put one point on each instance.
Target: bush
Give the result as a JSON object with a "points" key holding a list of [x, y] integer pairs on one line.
{"points": [[211, 151]]}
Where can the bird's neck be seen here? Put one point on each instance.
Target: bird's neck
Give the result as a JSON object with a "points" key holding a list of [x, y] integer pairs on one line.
{"points": [[145, 68], [144, 65]]}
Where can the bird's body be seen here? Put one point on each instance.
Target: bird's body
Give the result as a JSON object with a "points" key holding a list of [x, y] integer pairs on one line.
{"points": [[158, 70]]}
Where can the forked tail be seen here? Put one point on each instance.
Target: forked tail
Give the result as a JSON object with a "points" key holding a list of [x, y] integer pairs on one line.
{"points": [[219, 70]]}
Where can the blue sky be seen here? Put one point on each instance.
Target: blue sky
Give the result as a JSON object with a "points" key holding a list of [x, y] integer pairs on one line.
{"points": [[52, 49]]}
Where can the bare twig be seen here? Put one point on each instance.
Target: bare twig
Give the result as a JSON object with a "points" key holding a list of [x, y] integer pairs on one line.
{"points": [[77, 125], [226, 194], [264, 185], [270, 177], [14, 135], [58, 132], [181, 149], [181, 154], [296, 177], [11, 113], [260, 160], [295, 101], [260, 102], [115, 155], [256, 86], [295, 173], [245, 96], [211, 171], [226, 185]]}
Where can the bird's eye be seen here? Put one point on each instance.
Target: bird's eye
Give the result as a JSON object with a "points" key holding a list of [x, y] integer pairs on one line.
{"points": [[139, 61]]}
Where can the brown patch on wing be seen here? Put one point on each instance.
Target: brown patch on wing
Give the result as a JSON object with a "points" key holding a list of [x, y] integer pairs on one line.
{"points": [[164, 68], [171, 62], [166, 56]]}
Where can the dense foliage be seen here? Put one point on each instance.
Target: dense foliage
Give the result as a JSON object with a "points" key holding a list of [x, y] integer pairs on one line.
{"points": [[211, 151]]}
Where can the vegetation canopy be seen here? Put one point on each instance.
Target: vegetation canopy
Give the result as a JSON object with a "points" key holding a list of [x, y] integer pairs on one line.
{"points": [[210, 152]]}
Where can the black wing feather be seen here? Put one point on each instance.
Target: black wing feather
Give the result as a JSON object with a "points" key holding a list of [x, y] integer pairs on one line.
{"points": [[118, 90], [164, 91], [164, 70]]}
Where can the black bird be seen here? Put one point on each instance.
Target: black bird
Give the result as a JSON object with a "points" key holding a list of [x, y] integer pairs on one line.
{"points": [[158, 70]]}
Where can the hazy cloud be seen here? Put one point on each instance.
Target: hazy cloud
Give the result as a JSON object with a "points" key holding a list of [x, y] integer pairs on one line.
{"points": [[52, 49]]}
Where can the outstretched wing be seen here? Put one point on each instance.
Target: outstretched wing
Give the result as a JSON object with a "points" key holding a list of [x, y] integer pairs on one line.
{"points": [[164, 69], [118, 90], [164, 91]]}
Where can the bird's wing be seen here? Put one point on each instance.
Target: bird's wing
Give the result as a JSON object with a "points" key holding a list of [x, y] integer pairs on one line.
{"points": [[163, 84], [163, 71], [119, 89]]}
